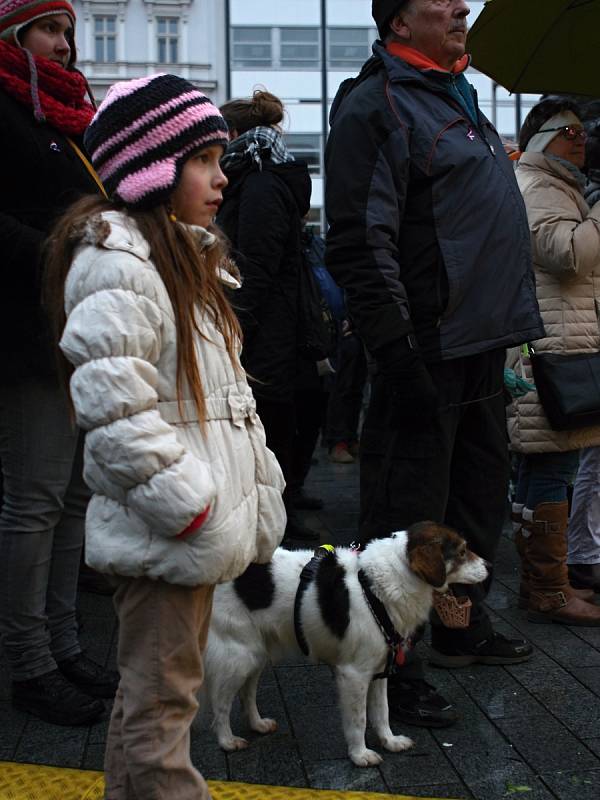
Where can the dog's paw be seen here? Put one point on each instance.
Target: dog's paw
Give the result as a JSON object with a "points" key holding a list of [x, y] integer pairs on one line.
{"points": [[233, 743], [265, 725], [365, 758], [397, 743]]}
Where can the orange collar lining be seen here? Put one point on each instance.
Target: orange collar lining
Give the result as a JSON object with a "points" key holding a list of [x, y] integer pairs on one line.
{"points": [[417, 59]]}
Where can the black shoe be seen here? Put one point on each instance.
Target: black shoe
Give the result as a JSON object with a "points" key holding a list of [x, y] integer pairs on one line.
{"points": [[416, 702], [52, 698], [295, 530], [496, 649], [300, 499], [89, 676]]}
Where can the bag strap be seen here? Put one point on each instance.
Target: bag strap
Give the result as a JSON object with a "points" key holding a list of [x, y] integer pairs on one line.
{"points": [[88, 166]]}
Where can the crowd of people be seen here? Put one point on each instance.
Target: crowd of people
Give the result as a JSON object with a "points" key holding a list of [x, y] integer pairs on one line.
{"points": [[153, 399]]}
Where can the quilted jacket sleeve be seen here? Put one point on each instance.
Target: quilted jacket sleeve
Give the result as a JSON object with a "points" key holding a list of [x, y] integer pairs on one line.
{"points": [[113, 338], [564, 241]]}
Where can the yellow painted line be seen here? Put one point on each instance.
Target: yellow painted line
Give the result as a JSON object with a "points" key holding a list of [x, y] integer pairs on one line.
{"points": [[34, 782]]}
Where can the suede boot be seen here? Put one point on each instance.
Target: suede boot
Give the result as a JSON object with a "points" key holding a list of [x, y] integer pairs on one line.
{"points": [[551, 597], [522, 532]]}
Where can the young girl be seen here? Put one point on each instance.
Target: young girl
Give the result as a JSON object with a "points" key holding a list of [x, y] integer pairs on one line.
{"points": [[186, 494]]}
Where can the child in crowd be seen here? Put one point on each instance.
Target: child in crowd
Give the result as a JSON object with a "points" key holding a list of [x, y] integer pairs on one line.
{"points": [[186, 493]]}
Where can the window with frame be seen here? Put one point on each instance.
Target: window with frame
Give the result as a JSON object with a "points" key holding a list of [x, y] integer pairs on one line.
{"points": [[105, 39], [299, 47], [168, 39], [252, 47], [349, 47], [306, 147]]}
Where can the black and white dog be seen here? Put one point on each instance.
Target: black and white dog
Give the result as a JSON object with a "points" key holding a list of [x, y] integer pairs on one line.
{"points": [[253, 622]]}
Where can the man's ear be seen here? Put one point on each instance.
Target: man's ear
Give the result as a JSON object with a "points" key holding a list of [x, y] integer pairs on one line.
{"points": [[399, 27], [427, 561]]}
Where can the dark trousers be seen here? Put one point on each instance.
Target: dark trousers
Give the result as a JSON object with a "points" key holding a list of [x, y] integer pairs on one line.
{"points": [[346, 396], [453, 469], [279, 421], [311, 405]]}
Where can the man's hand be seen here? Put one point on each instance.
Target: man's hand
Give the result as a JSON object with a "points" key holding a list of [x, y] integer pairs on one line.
{"points": [[414, 394]]}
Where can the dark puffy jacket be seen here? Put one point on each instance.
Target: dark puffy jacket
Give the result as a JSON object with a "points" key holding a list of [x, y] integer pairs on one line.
{"points": [[261, 214], [428, 231], [41, 177]]}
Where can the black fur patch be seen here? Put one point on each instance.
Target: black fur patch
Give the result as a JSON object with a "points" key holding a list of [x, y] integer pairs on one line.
{"points": [[333, 596], [255, 587]]}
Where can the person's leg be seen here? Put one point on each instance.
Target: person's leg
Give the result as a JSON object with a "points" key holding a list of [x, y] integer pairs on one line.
{"points": [[477, 505], [584, 523], [37, 446], [404, 469], [552, 599], [345, 400], [162, 636], [309, 421]]}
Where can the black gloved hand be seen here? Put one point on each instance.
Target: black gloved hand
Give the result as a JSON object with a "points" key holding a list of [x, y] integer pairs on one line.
{"points": [[414, 394]]}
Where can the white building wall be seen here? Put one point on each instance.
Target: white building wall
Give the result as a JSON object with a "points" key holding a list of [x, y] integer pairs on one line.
{"points": [[201, 42]]}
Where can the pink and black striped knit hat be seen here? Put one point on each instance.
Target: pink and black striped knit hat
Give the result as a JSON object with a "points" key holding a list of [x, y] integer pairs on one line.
{"points": [[143, 133], [16, 14]]}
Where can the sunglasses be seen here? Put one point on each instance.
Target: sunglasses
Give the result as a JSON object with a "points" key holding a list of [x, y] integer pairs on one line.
{"points": [[569, 132]]}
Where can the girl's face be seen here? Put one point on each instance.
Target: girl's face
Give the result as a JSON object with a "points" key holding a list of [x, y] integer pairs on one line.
{"points": [[199, 194], [50, 37]]}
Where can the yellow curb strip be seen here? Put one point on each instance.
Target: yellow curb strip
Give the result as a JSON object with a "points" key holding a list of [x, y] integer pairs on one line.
{"points": [[34, 782]]}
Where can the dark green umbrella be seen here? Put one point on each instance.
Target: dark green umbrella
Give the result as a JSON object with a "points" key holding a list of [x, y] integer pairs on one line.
{"points": [[539, 46]]}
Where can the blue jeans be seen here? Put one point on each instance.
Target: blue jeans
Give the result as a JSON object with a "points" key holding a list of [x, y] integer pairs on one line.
{"points": [[41, 527], [584, 523], [545, 477]]}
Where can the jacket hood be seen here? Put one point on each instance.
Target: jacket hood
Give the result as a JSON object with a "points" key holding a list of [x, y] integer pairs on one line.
{"points": [[294, 174]]}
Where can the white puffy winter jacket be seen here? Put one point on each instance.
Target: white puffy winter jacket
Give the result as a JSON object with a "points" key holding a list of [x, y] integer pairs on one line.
{"points": [[152, 469]]}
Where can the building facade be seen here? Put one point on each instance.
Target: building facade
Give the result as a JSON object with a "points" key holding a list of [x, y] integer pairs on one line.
{"points": [[122, 39]]}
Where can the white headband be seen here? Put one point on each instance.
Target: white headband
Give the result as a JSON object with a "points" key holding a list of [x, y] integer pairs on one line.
{"points": [[540, 141]]}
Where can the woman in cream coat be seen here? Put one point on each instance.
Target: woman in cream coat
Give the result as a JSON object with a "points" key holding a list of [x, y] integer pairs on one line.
{"points": [[565, 235]]}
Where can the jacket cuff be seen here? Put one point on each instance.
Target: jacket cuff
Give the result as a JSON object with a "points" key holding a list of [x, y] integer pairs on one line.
{"points": [[195, 524]]}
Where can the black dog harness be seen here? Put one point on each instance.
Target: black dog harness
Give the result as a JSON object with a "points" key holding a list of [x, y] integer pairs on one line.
{"points": [[398, 646], [307, 576]]}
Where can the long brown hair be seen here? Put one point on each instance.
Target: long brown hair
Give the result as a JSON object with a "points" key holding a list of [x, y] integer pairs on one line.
{"points": [[188, 271]]}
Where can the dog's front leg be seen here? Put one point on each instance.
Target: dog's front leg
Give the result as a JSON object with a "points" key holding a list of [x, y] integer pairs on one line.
{"points": [[380, 718], [352, 690]]}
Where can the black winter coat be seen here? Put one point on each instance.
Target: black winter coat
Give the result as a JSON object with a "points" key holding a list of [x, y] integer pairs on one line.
{"points": [[40, 176], [428, 231], [262, 214]]}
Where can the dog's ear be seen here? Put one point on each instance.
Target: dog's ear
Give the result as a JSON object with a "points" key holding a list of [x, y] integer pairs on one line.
{"points": [[427, 561]]}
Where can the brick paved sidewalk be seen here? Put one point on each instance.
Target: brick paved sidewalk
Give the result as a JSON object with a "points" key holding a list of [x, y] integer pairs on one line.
{"points": [[530, 731]]}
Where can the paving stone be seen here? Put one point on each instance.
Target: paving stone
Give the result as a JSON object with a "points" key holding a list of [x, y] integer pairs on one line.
{"points": [[496, 692], [307, 686], [274, 761], [423, 765], [563, 695], [93, 757], [574, 785], [590, 677], [318, 733], [511, 780], [344, 776], [12, 725], [541, 740], [451, 791], [593, 744], [208, 758], [43, 743]]}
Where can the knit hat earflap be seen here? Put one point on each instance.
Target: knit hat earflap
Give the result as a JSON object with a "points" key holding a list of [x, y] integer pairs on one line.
{"points": [[16, 14], [143, 133], [383, 11]]}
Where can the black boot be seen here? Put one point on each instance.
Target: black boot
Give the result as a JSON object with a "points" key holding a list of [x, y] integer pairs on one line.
{"points": [[585, 576], [52, 698], [89, 676]]}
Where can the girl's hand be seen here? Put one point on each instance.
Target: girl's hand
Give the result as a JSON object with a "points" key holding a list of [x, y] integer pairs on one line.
{"points": [[195, 524]]}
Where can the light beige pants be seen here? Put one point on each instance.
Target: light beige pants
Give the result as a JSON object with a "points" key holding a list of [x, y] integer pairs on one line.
{"points": [[162, 635]]}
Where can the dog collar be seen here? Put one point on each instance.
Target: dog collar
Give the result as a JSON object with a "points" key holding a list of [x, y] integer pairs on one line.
{"points": [[398, 645]]}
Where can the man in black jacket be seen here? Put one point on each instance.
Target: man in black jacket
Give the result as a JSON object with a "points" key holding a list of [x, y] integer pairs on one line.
{"points": [[429, 238]]}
